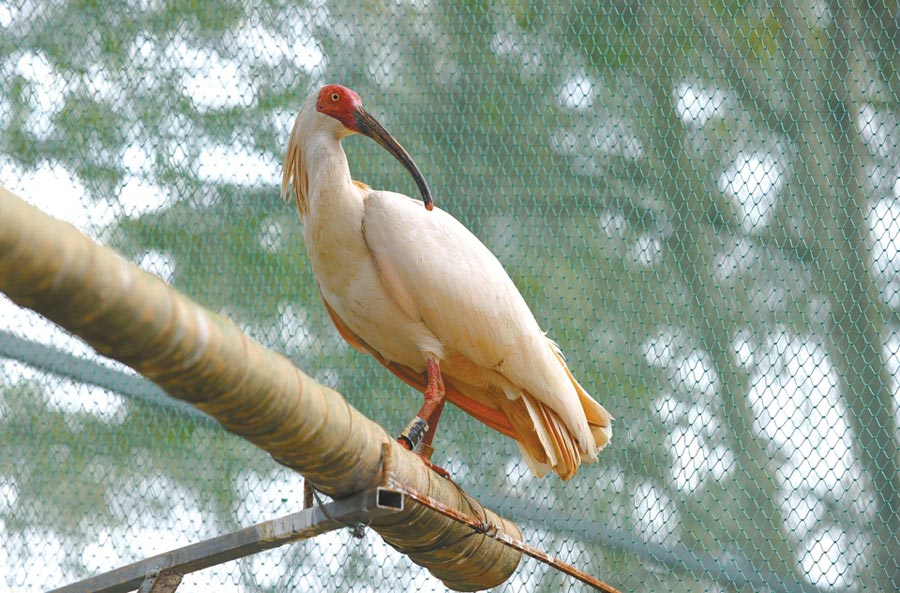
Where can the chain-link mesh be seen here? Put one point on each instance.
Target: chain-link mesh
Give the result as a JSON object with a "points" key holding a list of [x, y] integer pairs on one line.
{"points": [[700, 201]]}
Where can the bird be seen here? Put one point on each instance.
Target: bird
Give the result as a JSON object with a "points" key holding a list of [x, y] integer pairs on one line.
{"points": [[414, 288]]}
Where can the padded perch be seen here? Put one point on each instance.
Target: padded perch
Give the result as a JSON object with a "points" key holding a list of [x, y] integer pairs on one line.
{"points": [[204, 359]]}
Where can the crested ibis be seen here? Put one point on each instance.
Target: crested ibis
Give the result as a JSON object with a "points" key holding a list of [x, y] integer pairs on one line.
{"points": [[411, 286]]}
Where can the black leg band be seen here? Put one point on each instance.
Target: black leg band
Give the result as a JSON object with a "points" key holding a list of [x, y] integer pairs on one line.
{"points": [[414, 432]]}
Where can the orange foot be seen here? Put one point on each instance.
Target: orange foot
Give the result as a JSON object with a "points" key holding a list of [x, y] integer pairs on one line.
{"points": [[426, 459]]}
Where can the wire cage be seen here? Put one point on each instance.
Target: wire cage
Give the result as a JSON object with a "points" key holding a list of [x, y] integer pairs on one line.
{"points": [[699, 201]]}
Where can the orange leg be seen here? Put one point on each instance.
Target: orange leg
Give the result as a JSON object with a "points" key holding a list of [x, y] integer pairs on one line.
{"points": [[419, 434], [432, 427]]}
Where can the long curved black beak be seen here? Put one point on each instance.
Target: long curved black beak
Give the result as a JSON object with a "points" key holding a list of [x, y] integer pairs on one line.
{"points": [[369, 126]]}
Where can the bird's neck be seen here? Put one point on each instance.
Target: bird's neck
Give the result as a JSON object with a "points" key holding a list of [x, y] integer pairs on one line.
{"points": [[335, 203]]}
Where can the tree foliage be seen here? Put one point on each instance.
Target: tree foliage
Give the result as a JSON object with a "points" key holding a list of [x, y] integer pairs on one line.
{"points": [[698, 199]]}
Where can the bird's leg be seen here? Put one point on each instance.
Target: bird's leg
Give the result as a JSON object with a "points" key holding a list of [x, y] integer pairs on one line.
{"points": [[426, 447], [422, 428]]}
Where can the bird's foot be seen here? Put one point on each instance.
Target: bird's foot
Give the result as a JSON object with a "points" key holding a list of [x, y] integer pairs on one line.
{"points": [[434, 467], [424, 454]]}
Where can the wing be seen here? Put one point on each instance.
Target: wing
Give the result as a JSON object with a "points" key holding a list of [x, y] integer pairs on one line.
{"points": [[514, 418], [441, 273]]}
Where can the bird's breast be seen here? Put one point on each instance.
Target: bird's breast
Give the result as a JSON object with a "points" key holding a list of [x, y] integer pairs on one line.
{"points": [[352, 285]]}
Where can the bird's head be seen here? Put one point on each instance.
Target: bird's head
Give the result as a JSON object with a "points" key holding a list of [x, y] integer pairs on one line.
{"points": [[345, 106]]}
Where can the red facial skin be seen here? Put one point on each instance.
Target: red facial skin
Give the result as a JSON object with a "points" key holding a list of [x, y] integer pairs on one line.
{"points": [[340, 103], [344, 105]]}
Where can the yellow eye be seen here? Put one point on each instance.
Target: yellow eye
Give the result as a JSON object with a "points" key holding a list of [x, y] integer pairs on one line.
{"points": [[335, 97]]}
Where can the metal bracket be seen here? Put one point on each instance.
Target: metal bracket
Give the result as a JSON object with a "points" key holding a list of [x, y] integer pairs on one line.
{"points": [[163, 573], [161, 582]]}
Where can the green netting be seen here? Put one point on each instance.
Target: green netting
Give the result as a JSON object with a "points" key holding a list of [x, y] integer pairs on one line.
{"points": [[700, 201]]}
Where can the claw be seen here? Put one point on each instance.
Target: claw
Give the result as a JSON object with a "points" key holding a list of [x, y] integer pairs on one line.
{"points": [[424, 455], [435, 468]]}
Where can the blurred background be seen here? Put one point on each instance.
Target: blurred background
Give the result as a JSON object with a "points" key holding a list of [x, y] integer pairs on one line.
{"points": [[699, 200]]}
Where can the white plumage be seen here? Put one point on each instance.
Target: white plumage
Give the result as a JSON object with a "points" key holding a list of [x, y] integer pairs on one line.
{"points": [[406, 285]]}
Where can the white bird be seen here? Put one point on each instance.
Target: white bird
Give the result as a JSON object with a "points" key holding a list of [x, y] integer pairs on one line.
{"points": [[415, 289]]}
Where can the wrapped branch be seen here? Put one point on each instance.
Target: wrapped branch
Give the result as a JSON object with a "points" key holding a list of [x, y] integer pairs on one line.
{"points": [[202, 358]]}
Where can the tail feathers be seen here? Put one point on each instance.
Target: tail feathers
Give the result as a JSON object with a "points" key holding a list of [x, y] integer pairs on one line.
{"points": [[599, 420], [543, 438], [552, 446], [537, 468], [527, 436]]}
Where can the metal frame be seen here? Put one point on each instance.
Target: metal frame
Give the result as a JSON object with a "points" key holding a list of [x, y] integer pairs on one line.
{"points": [[163, 573], [734, 571]]}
